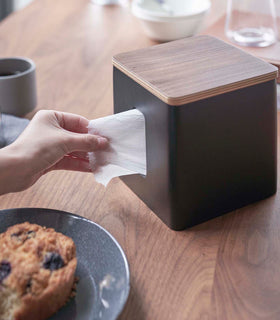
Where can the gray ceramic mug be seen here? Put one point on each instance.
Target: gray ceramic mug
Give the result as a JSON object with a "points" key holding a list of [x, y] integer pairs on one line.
{"points": [[17, 86]]}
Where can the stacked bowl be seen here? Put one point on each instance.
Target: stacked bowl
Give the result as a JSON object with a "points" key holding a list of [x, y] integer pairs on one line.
{"points": [[166, 20]]}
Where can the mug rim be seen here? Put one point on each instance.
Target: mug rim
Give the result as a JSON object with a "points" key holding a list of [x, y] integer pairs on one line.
{"points": [[20, 74]]}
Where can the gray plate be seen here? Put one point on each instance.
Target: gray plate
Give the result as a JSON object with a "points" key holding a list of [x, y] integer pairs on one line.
{"points": [[102, 266]]}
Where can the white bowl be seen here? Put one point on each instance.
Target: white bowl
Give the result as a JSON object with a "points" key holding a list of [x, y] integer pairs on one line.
{"points": [[174, 20]]}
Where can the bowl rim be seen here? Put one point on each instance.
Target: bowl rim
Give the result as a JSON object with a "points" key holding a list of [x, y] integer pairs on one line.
{"points": [[146, 14], [31, 66]]}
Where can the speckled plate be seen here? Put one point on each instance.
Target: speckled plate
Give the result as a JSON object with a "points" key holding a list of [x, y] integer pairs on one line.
{"points": [[102, 268]]}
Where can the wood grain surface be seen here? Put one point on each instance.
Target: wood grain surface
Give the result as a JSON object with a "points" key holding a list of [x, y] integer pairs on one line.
{"points": [[192, 69], [227, 268], [270, 54]]}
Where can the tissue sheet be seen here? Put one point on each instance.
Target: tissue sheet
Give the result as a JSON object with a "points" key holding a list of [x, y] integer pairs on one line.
{"points": [[126, 153]]}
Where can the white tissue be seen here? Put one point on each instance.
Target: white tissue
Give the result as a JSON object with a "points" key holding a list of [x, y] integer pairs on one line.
{"points": [[126, 153]]}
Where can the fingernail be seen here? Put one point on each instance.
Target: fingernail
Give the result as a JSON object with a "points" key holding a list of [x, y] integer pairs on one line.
{"points": [[102, 141]]}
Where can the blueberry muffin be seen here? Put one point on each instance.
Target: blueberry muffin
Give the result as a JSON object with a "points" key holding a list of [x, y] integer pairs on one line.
{"points": [[37, 267]]}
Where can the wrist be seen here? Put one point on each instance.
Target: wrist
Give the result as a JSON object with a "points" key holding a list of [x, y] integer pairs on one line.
{"points": [[13, 170]]}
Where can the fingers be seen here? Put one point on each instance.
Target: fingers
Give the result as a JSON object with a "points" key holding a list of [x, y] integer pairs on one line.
{"points": [[73, 164], [79, 154], [79, 139], [84, 142], [72, 122]]}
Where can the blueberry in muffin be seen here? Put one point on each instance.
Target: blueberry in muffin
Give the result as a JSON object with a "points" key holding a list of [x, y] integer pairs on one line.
{"points": [[37, 269]]}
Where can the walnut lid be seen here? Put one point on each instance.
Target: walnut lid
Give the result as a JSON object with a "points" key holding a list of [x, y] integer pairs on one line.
{"points": [[192, 69]]}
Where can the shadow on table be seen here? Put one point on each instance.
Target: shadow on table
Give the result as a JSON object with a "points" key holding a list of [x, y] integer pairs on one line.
{"points": [[255, 214]]}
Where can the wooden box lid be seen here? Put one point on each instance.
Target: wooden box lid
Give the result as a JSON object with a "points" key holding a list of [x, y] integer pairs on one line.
{"points": [[192, 69]]}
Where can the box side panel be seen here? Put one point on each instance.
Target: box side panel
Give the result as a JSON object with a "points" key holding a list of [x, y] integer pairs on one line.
{"points": [[226, 155], [154, 189]]}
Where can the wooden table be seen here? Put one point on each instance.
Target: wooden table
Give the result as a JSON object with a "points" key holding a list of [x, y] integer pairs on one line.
{"points": [[227, 268]]}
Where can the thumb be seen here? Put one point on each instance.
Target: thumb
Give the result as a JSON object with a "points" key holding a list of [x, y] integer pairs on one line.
{"points": [[85, 142]]}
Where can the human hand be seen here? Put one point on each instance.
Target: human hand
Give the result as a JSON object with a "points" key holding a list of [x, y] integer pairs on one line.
{"points": [[53, 140]]}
